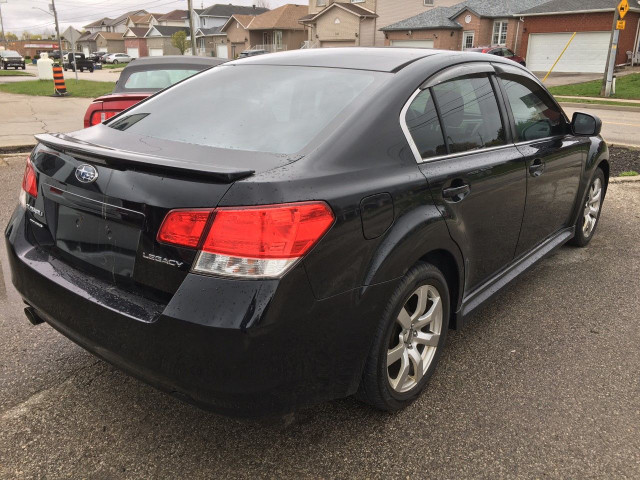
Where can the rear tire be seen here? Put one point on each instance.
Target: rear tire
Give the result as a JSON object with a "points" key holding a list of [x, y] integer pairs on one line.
{"points": [[591, 209], [115, 62], [408, 341]]}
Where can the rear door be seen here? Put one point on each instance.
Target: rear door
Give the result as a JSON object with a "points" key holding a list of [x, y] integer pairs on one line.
{"points": [[554, 157], [476, 175]]}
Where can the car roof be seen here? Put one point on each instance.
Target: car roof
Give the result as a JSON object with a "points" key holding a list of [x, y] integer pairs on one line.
{"points": [[383, 59], [176, 60]]}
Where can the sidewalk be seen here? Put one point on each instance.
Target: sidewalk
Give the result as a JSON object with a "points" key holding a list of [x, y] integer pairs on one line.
{"points": [[24, 116], [617, 100]]}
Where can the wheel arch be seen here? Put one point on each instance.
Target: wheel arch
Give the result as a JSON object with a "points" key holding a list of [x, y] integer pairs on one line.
{"points": [[446, 262]]}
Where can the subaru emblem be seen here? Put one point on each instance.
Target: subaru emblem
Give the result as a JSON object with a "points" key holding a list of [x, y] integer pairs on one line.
{"points": [[86, 173]]}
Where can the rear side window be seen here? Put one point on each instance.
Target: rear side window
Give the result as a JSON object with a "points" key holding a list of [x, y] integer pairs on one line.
{"points": [[470, 114], [424, 126], [536, 115]]}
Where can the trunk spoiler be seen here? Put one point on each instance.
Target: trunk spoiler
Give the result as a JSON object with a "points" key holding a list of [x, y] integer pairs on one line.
{"points": [[66, 144]]}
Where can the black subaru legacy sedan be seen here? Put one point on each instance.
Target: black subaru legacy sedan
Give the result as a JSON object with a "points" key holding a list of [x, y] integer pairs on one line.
{"points": [[292, 228]]}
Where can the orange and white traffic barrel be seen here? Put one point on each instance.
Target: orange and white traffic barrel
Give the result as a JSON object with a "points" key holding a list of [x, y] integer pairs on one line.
{"points": [[58, 81]]}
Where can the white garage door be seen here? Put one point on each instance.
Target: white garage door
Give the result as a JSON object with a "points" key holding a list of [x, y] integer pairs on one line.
{"points": [[133, 52], [221, 51], [587, 53], [412, 43], [155, 52]]}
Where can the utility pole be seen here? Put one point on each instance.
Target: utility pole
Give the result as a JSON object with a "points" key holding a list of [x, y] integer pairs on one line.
{"points": [[4, 39], [55, 17], [618, 14], [193, 34]]}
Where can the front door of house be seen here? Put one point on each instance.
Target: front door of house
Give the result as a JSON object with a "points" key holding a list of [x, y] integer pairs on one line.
{"points": [[267, 38], [467, 39]]}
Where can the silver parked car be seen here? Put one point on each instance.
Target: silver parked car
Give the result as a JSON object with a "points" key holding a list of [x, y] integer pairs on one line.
{"points": [[116, 58]]}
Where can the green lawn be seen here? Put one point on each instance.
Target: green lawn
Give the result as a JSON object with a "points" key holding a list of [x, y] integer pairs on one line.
{"points": [[15, 73], [79, 88], [626, 87], [111, 65]]}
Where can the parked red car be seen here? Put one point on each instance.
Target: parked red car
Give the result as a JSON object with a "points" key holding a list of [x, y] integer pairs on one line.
{"points": [[499, 52], [141, 79]]}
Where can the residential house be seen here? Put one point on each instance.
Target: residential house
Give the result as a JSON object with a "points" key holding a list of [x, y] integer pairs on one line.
{"points": [[467, 24], [278, 29], [208, 23], [135, 42], [146, 20], [111, 42], [358, 22], [548, 28], [237, 34], [175, 18], [341, 24], [118, 24], [101, 25], [159, 40]]}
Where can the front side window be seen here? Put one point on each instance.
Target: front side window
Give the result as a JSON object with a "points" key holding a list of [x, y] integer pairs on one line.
{"points": [[260, 108], [535, 114], [500, 32], [470, 114]]}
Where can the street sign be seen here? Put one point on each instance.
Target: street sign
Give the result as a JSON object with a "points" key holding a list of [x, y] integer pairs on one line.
{"points": [[623, 8], [620, 24]]}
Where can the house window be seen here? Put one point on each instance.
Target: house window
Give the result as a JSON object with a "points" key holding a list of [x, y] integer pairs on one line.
{"points": [[467, 39], [428, 3], [357, 1], [321, 3], [277, 39], [500, 32]]}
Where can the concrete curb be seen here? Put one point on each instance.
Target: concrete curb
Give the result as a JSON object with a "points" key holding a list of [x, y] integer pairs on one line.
{"points": [[598, 106], [635, 179], [624, 145], [13, 149]]}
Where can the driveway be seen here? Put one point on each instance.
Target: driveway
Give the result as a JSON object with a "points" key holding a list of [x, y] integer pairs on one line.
{"points": [[543, 382], [24, 116]]}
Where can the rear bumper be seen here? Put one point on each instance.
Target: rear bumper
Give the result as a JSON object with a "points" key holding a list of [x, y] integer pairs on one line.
{"points": [[240, 348]]}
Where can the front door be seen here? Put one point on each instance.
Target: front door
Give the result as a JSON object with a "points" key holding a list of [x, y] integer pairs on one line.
{"points": [[553, 155], [467, 39], [477, 176]]}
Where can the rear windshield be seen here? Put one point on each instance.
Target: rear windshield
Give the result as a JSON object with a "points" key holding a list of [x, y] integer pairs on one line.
{"points": [[156, 79], [260, 108]]}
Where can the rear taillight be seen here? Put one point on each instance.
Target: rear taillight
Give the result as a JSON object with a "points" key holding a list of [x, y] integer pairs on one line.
{"points": [[252, 242], [100, 116], [29, 181]]}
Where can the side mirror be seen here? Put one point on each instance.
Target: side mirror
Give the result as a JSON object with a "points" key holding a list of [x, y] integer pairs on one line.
{"points": [[585, 124]]}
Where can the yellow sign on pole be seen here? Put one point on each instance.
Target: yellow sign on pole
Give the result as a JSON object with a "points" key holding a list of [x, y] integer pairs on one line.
{"points": [[623, 8], [620, 24]]}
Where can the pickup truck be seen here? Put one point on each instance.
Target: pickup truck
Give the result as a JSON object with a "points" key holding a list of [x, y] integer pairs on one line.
{"points": [[81, 62]]}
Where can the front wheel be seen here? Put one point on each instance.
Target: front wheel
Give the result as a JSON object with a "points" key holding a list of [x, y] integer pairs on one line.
{"points": [[590, 215], [115, 62], [409, 340]]}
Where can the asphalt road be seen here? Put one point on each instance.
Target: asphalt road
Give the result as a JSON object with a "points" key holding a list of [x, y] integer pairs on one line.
{"points": [[102, 75], [543, 382], [619, 127]]}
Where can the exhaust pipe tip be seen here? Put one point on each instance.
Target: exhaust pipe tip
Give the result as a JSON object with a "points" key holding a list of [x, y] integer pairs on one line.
{"points": [[32, 316]]}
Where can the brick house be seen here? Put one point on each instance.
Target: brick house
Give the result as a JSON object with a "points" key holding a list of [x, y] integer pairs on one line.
{"points": [[467, 24], [237, 34], [278, 29], [208, 23], [548, 28], [358, 22], [135, 43], [111, 42]]}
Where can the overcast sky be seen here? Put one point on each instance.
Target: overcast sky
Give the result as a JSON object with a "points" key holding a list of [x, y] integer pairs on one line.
{"points": [[19, 15]]}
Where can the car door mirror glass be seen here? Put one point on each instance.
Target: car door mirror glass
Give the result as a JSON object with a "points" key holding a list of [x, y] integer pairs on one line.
{"points": [[585, 124]]}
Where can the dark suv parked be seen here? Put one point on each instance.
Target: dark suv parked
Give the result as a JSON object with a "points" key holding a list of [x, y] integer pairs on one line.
{"points": [[11, 58], [308, 229]]}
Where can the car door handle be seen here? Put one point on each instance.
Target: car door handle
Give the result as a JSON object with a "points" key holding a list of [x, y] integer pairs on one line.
{"points": [[536, 168], [456, 194]]}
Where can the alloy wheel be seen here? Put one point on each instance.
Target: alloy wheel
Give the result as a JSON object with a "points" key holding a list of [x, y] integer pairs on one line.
{"points": [[592, 207], [414, 339]]}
